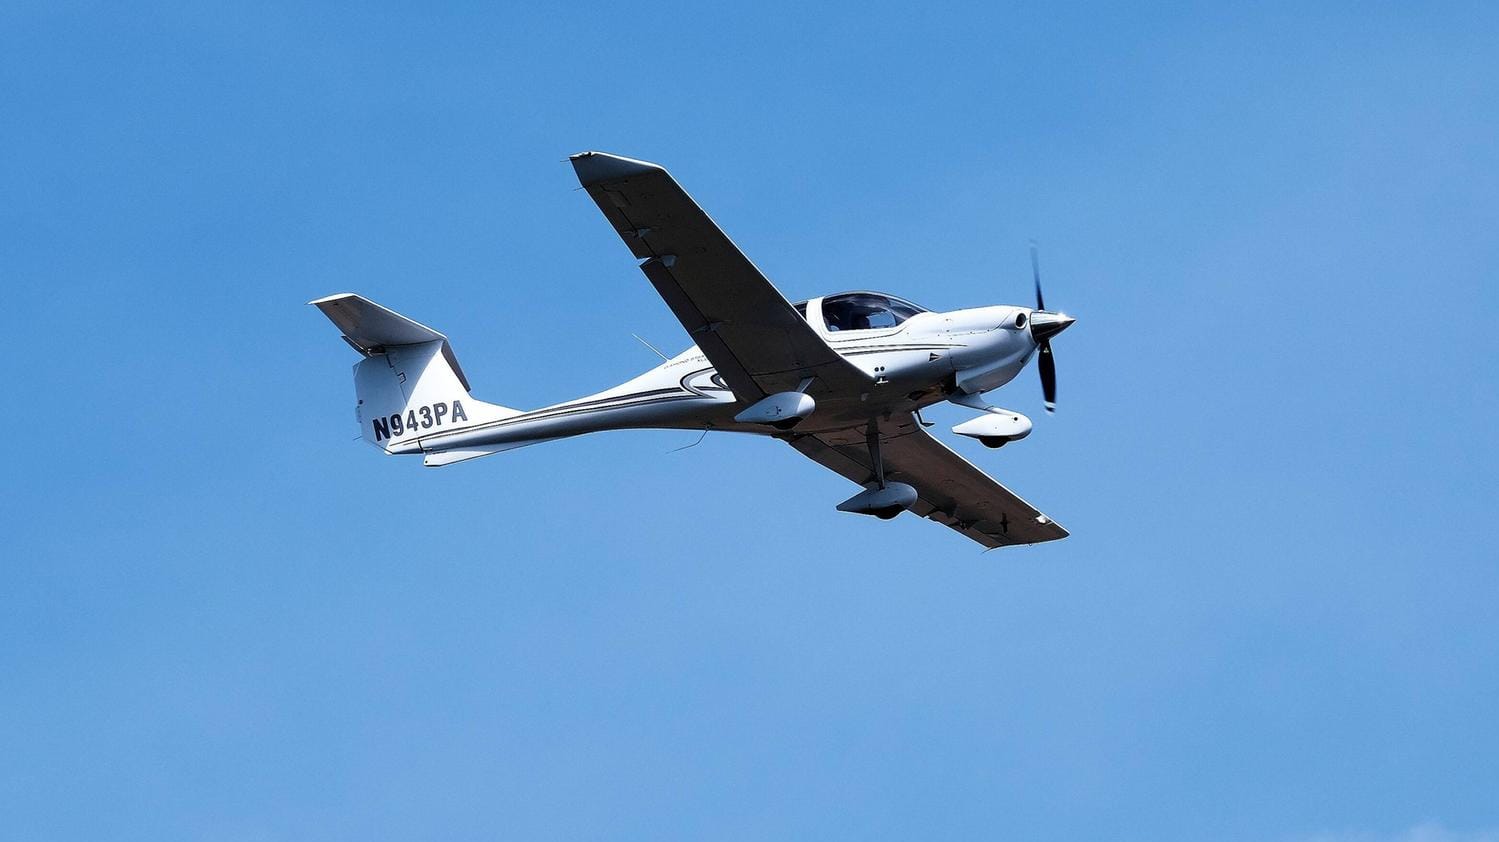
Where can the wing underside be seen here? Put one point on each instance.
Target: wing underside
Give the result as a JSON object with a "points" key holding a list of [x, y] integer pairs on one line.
{"points": [[951, 491]]}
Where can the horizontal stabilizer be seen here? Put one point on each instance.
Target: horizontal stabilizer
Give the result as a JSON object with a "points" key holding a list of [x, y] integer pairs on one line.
{"points": [[370, 328]]}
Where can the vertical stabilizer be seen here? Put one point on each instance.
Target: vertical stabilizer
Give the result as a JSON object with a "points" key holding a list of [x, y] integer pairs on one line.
{"points": [[409, 385]]}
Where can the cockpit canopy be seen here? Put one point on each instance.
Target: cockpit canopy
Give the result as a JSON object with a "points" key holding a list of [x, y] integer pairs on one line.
{"points": [[863, 311]]}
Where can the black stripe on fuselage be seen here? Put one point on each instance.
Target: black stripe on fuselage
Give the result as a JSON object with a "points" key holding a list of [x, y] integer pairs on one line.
{"points": [[572, 409]]}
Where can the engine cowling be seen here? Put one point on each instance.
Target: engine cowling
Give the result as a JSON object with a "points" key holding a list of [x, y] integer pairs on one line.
{"points": [[996, 428], [781, 410]]}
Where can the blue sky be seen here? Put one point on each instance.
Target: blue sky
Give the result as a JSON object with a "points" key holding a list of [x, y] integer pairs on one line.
{"points": [[224, 618]]}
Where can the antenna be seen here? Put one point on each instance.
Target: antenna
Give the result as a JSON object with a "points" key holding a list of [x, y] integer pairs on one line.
{"points": [[694, 444], [652, 347]]}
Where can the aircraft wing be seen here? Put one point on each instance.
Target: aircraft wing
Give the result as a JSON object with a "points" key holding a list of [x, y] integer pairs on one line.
{"points": [[746, 328], [950, 490]]}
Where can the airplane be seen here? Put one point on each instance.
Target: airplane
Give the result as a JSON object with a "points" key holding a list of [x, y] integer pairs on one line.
{"points": [[841, 378]]}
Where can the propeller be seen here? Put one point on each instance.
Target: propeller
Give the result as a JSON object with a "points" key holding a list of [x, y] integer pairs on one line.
{"points": [[1045, 325], [1047, 365], [1036, 275]]}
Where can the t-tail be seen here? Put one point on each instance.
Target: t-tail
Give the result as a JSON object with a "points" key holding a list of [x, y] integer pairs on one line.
{"points": [[411, 392]]}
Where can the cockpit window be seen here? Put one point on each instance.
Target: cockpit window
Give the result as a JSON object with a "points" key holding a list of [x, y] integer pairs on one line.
{"points": [[801, 308], [866, 311]]}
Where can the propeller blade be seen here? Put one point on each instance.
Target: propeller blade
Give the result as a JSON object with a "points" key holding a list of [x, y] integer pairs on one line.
{"points": [[1036, 275], [1047, 365]]}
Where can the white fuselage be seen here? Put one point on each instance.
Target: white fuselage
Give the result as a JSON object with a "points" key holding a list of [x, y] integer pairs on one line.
{"points": [[916, 363]]}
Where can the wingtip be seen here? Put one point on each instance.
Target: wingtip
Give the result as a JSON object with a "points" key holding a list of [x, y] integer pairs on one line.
{"points": [[328, 299], [593, 167]]}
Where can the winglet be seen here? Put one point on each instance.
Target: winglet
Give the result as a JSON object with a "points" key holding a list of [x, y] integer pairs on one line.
{"points": [[595, 167]]}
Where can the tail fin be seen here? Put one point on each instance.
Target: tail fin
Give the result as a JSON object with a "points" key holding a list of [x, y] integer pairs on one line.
{"points": [[409, 384]]}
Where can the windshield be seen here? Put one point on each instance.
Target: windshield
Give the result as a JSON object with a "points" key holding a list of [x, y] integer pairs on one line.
{"points": [[866, 311]]}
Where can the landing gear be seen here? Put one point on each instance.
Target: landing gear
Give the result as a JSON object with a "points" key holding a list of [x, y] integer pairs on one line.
{"points": [[877, 459], [782, 410], [886, 499], [995, 427]]}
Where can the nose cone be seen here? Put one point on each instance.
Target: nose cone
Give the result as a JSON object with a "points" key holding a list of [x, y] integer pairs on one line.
{"points": [[1045, 325]]}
